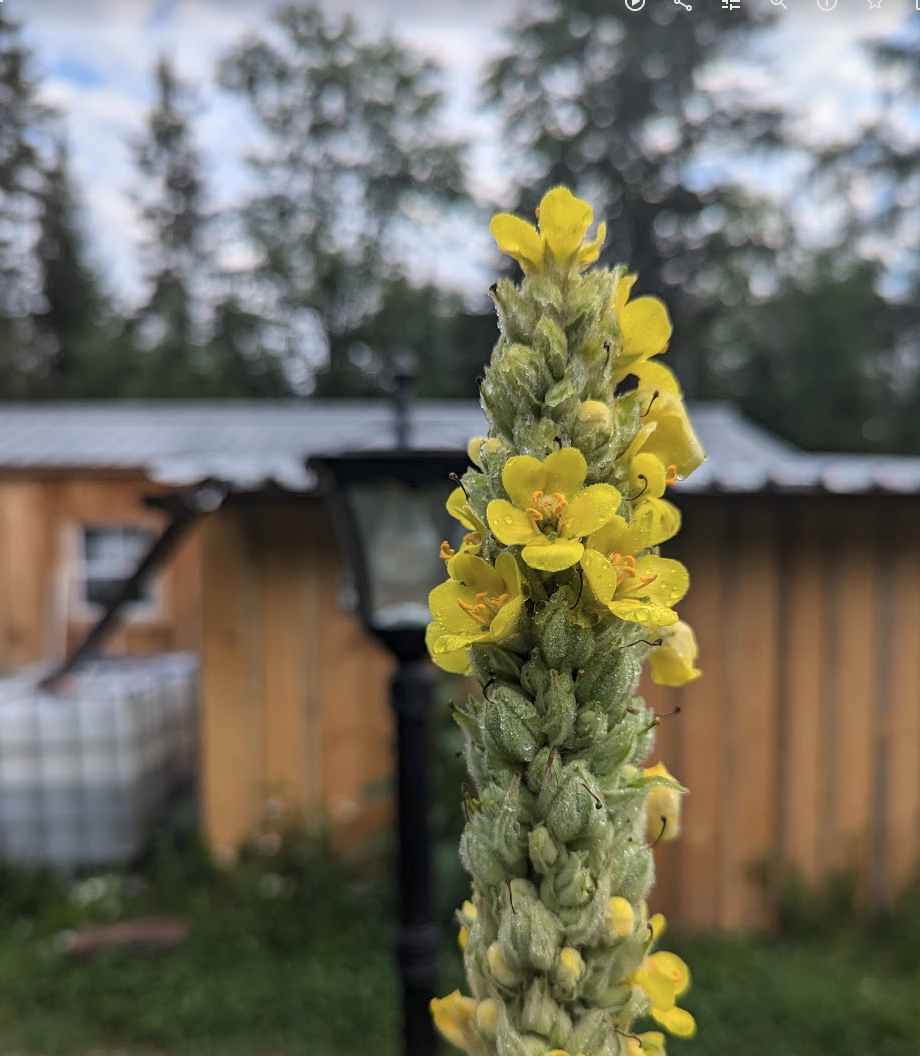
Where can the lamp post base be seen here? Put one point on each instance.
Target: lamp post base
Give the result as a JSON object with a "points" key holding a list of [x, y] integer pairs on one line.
{"points": [[417, 937]]}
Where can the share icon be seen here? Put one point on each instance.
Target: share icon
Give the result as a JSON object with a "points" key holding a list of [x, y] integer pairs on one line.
{"points": [[682, 4]]}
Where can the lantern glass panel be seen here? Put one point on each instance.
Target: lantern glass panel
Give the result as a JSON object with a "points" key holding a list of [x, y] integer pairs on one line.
{"points": [[401, 529]]}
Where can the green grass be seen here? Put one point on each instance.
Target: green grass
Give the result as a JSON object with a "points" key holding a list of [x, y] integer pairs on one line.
{"points": [[288, 956]]}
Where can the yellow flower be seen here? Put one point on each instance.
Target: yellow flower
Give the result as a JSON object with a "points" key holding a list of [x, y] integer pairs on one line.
{"points": [[664, 977], [619, 918], [479, 603], [644, 327], [662, 808], [460, 510], [673, 663], [466, 915], [650, 1043], [453, 1016], [666, 430], [638, 589], [550, 509], [564, 221]]}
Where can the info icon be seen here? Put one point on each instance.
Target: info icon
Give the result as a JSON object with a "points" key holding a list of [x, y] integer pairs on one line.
{"points": [[827, 5]]}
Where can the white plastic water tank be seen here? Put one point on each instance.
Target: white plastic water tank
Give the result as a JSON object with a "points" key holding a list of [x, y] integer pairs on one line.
{"points": [[84, 771]]}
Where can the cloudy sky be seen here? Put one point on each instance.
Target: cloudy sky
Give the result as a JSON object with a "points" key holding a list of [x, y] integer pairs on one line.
{"points": [[96, 58]]}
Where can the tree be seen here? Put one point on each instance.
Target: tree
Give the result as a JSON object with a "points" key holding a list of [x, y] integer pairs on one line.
{"points": [[355, 165], [808, 363], [168, 327], [615, 105], [73, 322], [24, 125]]}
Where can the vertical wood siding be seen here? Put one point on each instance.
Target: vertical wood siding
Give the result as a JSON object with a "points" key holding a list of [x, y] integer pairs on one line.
{"points": [[38, 521], [801, 743], [295, 693]]}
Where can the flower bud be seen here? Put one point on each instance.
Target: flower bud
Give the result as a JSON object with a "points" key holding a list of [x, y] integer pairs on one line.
{"points": [[568, 971], [662, 808], [501, 971], [594, 425], [619, 918], [486, 1017]]}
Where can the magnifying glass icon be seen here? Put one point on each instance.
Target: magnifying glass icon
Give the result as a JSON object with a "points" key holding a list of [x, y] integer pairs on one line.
{"points": [[779, 3]]}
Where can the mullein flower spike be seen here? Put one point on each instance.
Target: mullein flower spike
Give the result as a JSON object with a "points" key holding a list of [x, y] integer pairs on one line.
{"points": [[555, 597]]}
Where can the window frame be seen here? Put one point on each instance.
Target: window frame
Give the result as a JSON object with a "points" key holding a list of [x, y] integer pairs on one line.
{"points": [[81, 608]]}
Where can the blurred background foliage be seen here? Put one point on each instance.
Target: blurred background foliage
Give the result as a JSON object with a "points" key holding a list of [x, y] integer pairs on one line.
{"points": [[324, 270]]}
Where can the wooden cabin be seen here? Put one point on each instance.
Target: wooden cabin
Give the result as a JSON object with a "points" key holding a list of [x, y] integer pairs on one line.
{"points": [[800, 745]]}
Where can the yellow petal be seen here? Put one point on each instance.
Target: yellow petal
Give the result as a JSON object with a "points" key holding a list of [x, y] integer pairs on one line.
{"points": [[476, 573], [521, 477], [599, 575], [506, 619], [645, 327], [624, 285], [661, 519], [459, 509], [453, 1016], [656, 376], [673, 440], [519, 240], [564, 472], [618, 536], [647, 476], [672, 580], [552, 557], [656, 984], [456, 662], [644, 612], [564, 221], [509, 572], [509, 524], [588, 252], [676, 1021], [674, 967], [652, 1042], [589, 510], [657, 922], [673, 663]]}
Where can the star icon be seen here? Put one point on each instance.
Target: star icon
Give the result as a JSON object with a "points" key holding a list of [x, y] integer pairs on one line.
{"points": [[877, 4]]}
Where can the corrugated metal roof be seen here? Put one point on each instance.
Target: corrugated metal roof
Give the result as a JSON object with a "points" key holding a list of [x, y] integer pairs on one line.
{"points": [[250, 443]]}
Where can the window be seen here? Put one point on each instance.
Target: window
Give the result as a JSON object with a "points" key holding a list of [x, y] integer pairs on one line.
{"points": [[106, 557]]}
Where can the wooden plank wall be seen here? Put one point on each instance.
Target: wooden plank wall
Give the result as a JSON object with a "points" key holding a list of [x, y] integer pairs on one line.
{"points": [[37, 518], [295, 694], [801, 743]]}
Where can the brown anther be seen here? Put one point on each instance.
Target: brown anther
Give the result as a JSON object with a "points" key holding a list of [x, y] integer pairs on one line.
{"points": [[447, 551]]}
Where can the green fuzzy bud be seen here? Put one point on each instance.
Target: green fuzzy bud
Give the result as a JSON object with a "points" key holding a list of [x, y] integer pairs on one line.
{"points": [[550, 341], [516, 314], [489, 661], [590, 1034], [572, 884], [593, 426], [610, 675], [510, 723], [568, 972], [556, 706], [562, 398], [530, 936], [535, 675], [540, 1010], [563, 642], [543, 849], [571, 807]]}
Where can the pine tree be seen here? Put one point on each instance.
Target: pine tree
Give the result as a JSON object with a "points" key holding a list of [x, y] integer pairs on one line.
{"points": [[73, 322], [168, 326], [612, 104], [23, 133]]}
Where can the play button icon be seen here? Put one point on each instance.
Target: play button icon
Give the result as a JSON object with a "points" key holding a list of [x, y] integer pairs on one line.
{"points": [[636, 5]]}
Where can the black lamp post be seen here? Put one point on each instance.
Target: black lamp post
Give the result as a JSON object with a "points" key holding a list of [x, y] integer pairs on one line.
{"points": [[389, 511]]}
